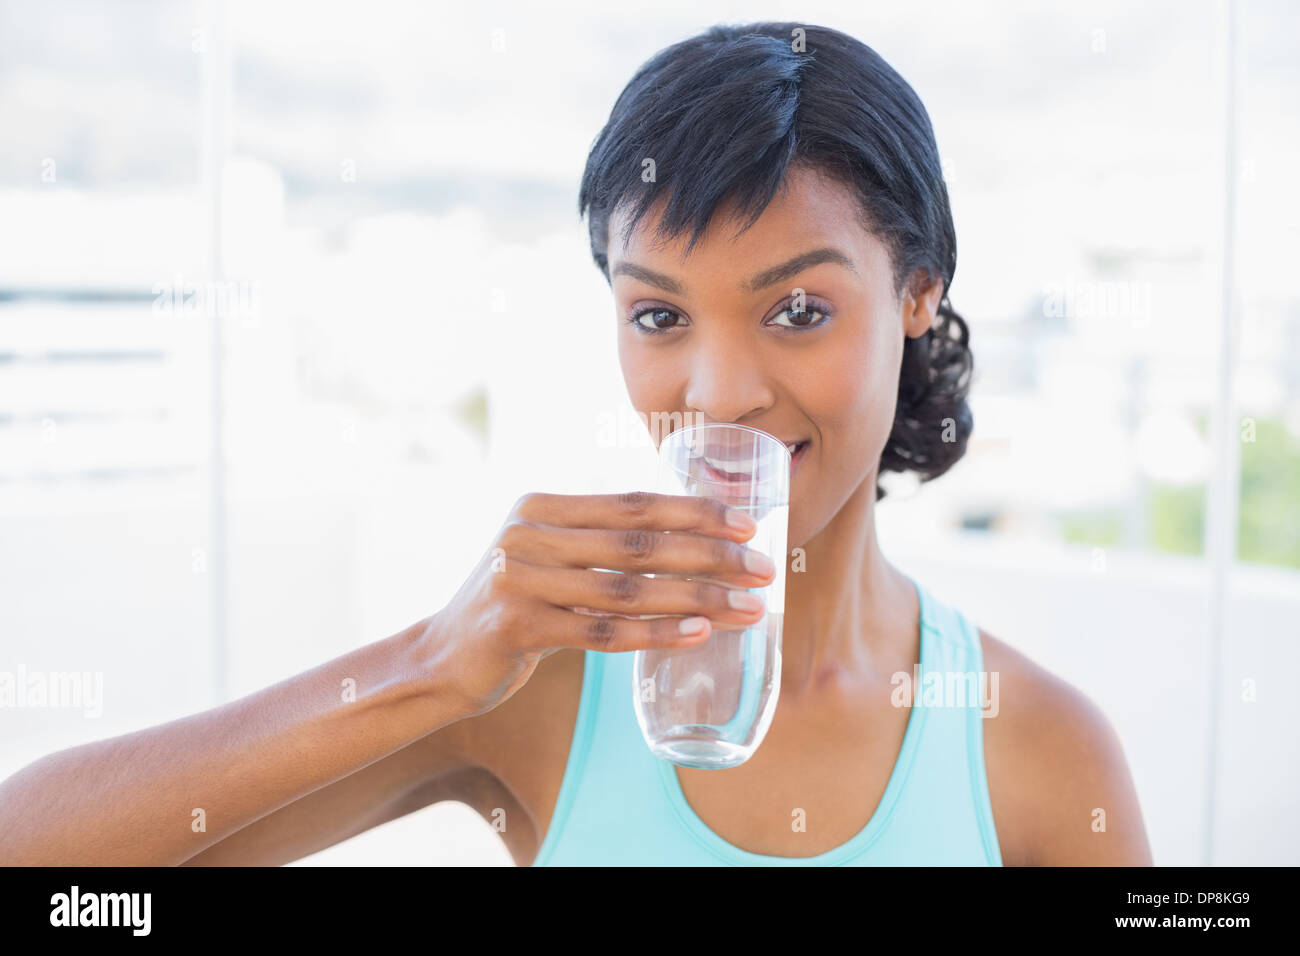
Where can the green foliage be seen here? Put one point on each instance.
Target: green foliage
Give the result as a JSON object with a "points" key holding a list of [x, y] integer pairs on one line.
{"points": [[1268, 522], [1177, 516], [1269, 525], [473, 411], [1101, 527]]}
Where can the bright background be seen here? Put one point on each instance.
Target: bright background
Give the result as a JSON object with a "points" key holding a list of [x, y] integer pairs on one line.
{"points": [[410, 334]]}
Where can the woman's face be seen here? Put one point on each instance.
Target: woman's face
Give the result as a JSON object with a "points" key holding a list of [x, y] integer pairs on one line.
{"points": [[734, 345]]}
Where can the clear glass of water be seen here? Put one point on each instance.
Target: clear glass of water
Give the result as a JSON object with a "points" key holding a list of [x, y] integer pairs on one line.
{"points": [[710, 705]]}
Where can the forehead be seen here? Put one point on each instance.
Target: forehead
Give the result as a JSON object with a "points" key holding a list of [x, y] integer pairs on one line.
{"points": [[809, 208]]}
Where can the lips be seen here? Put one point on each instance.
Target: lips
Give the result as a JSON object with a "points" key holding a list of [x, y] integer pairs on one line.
{"points": [[724, 464], [800, 450]]}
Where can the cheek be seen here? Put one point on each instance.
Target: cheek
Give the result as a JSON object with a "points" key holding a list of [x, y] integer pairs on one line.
{"points": [[632, 366], [852, 401], [852, 381], [648, 387]]}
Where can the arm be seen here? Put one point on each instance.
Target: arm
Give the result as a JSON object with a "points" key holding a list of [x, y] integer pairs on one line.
{"points": [[425, 772], [1086, 783], [133, 799], [447, 764], [1057, 762], [130, 800]]}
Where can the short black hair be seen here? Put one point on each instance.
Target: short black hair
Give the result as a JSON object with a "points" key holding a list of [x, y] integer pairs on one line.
{"points": [[725, 114]]}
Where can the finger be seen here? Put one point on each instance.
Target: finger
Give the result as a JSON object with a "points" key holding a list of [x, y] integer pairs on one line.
{"points": [[635, 594], [610, 633], [641, 551]]}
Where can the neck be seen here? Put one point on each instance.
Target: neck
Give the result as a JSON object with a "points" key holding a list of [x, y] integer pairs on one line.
{"points": [[850, 615]]}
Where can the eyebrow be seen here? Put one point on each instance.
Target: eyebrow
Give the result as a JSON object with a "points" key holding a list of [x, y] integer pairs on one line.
{"points": [[766, 278]]}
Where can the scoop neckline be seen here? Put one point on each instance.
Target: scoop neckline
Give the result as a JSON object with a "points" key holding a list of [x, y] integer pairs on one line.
{"points": [[861, 840]]}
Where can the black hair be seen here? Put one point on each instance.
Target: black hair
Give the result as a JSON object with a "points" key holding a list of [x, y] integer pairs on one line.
{"points": [[725, 114]]}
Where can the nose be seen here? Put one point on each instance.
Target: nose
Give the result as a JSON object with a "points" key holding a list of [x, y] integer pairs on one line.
{"points": [[727, 383]]}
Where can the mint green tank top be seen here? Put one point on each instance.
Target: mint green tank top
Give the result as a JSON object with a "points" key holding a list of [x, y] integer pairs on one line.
{"points": [[620, 805]]}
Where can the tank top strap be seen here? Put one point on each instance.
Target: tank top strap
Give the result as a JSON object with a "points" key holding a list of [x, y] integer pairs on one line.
{"points": [[620, 805], [960, 695]]}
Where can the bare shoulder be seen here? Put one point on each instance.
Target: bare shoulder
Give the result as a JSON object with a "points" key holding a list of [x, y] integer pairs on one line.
{"points": [[1059, 783]]}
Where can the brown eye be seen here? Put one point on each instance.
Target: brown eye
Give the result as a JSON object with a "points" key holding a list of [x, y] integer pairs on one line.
{"points": [[803, 318], [662, 319]]}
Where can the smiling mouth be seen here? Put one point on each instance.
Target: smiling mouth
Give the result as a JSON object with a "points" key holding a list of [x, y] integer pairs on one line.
{"points": [[720, 467]]}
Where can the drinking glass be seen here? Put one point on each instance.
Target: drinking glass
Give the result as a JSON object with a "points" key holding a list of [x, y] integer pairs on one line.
{"points": [[710, 705]]}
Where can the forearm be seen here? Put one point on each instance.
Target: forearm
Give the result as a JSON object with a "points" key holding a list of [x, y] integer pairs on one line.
{"points": [[160, 795]]}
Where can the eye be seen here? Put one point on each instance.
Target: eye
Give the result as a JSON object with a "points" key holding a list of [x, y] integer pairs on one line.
{"points": [[803, 317], [661, 320]]}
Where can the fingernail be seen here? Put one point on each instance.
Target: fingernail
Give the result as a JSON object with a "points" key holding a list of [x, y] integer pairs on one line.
{"points": [[756, 562], [741, 520], [693, 625], [744, 601]]}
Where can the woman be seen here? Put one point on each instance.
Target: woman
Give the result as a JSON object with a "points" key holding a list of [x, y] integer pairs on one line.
{"points": [[767, 204]]}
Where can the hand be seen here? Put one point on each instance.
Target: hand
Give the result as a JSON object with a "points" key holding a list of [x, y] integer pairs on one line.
{"points": [[535, 590]]}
